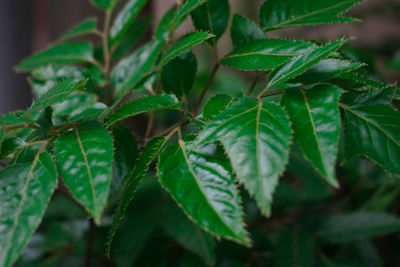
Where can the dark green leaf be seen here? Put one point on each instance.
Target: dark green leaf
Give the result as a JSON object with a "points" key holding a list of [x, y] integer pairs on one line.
{"points": [[105, 4], [130, 70], [200, 179], [264, 54], [183, 44], [185, 10], [85, 27], [59, 54], [316, 123], [84, 158], [341, 228], [26, 190], [372, 129], [125, 18], [244, 30], [179, 74], [256, 137], [213, 17], [276, 14], [142, 105], [217, 104]]}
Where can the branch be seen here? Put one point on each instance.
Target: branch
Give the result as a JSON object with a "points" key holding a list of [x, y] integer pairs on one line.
{"points": [[204, 92]]}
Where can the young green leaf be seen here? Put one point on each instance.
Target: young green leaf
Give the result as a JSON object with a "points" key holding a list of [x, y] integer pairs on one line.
{"points": [[276, 14], [85, 27], [84, 158], [106, 5], [201, 181], [359, 225], [188, 234], [183, 11], [130, 70], [58, 72], [59, 54], [125, 19], [213, 17], [372, 129], [132, 183], [256, 137], [178, 75], [244, 30], [57, 94], [315, 119], [301, 63], [264, 54], [183, 44], [26, 191], [142, 105]]}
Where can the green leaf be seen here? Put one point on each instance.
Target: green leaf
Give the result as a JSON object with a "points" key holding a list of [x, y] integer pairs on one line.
{"points": [[162, 32], [76, 102], [315, 120], [201, 181], [276, 14], [57, 72], [217, 104], [59, 54], [56, 94], [326, 69], [301, 63], [130, 70], [2, 134], [178, 75], [244, 30], [126, 154], [125, 18], [342, 228], [84, 158], [132, 183], [183, 44], [256, 137], [372, 129], [95, 112], [213, 17], [105, 4], [188, 234], [264, 54], [26, 191], [85, 27], [185, 10], [142, 105]]}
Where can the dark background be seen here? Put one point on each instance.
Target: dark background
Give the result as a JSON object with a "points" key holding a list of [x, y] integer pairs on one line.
{"points": [[31, 25]]}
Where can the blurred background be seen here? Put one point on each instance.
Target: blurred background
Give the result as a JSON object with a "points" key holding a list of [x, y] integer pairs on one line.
{"points": [[28, 26]]}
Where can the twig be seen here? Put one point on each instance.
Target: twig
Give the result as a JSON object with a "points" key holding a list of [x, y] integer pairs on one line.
{"points": [[253, 85], [89, 244], [278, 92], [204, 92], [150, 125]]}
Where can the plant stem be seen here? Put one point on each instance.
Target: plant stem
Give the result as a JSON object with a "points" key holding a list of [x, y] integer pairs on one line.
{"points": [[18, 126], [106, 55], [89, 244], [253, 85], [150, 125], [204, 92], [278, 92]]}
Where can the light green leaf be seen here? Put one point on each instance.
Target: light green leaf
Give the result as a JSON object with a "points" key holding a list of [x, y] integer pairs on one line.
{"points": [[85, 27], [59, 54], [130, 70], [132, 183], [178, 75], [186, 233], [142, 105], [125, 18], [359, 225], [372, 129], [256, 137], [264, 54], [57, 72], [57, 94], [301, 63], [315, 120], [213, 17], [26, 191], [276, 14], [217, 104], [244, 30], [183, 44], [185, 10], [201, 181], [84, 158], [75, 103]]}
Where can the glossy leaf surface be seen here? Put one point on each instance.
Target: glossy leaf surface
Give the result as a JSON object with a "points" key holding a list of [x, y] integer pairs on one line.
{"points": [[59, 54], [84, 158], [217, 104], [25, 192], [276, 14], [256, 137], [85, 27], [58, 72], [244, 30], [200, 179], [264, 54], [142, 105], [315, 120], [185, 10]]}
